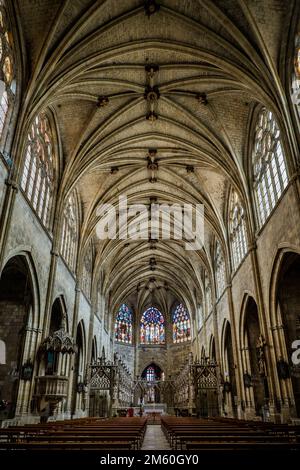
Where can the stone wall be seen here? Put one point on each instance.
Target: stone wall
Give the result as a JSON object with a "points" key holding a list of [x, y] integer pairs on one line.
{"points": [[127, 353]]}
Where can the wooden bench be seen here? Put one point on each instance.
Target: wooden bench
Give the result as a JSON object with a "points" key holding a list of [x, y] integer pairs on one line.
{"points": [[192, 433], [127, 433]]}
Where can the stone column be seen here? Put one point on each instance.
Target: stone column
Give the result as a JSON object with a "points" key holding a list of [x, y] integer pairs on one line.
{"points": [[72, 400], [236, 354]]}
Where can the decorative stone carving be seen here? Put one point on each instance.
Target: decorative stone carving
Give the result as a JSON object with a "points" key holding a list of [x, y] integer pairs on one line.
{"points": [[103, 101], [260, 350], [60, 342], [152, 165], [190, 169], [152, 264], [202, 98], [151, 93], [151, 7], [51, 387], [152, 116]]}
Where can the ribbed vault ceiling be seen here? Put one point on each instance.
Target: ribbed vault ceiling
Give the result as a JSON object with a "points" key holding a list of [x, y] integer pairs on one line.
{"points": [[215, 60]]}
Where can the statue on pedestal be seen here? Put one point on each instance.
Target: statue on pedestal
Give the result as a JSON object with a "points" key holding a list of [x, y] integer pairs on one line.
{"points": [[261, 360]]}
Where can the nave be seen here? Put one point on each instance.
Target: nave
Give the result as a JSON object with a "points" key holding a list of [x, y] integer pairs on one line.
{"points": [[94, 435], [117, 116]]}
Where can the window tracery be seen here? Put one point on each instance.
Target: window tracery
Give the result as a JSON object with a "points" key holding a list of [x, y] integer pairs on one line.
{"points": [[152, 327], [181, 324], [123, 325], [237, 228], [269, 167], [38, 171]]}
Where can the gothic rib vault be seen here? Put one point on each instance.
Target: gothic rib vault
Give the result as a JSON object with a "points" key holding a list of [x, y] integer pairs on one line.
{"points": [[213, 62]]}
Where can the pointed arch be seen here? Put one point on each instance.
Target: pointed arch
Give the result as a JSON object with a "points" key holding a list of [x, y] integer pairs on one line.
{"points": [[212, 349], [58, 317], [285, 317], [19, 301]]}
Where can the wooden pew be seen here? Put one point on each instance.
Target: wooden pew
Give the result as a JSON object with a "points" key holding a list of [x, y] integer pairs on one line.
{"points": [[90, 433], [192, 433]]}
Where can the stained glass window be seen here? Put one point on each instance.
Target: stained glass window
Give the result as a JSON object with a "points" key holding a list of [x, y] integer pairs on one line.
{"points": [[219, 270], [123, 325], [150, 374], [38, 172], [7, 69], [237, 228], [70, 229], [181, 324], [152, 327], [208, 298], [87, 271], [269, 168]]}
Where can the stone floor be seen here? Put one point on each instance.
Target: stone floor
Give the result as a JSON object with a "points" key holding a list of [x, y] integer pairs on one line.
{"points": [[155, 439]]}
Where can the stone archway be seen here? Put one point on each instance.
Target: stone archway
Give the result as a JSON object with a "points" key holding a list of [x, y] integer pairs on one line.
{"points": [[288, 307], [16, 308], [152, 374], [252, 375]]}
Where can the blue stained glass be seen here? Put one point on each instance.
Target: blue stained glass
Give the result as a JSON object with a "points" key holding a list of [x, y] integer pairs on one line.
{"points": [[150, 374], [181, 324], [123, 325], [152, 327]]}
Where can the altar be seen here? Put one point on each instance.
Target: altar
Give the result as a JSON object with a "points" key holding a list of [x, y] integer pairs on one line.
{"points": [[157, 408]]}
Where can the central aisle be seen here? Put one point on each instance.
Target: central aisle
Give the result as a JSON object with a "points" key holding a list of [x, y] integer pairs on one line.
{"points": [[155, 439]]}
